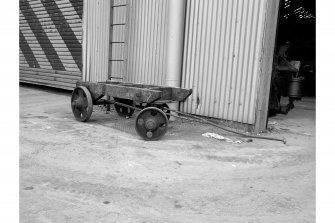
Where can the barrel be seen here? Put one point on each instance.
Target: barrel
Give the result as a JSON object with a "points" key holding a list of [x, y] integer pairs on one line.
{"points": [[295, 87]]}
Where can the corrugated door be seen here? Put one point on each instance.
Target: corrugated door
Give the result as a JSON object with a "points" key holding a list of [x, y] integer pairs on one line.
{"points": [[96, 39], [50, 42], [146, 41], [221, 57]]}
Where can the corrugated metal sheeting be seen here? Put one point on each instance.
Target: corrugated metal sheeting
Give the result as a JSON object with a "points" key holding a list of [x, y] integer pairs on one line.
{"points": [[50, 42], [147, 32], [221, 57], [96, 39], [221, 53]]}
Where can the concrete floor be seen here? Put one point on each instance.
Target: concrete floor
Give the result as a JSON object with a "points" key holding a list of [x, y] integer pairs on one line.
{"points": [[101, 171]]}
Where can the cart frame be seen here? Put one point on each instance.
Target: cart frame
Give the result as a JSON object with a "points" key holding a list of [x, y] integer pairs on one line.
{"points": [[151, 100]]}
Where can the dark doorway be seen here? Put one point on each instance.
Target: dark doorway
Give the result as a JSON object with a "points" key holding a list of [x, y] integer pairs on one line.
{"points": [[293, 73], [297, 25]]}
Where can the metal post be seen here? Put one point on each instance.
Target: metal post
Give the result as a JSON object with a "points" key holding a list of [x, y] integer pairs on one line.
{"points": [[175, 44], [267, 51]]}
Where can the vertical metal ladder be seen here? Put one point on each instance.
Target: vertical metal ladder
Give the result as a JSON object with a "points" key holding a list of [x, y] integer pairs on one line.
{"points": [[117, 66]]}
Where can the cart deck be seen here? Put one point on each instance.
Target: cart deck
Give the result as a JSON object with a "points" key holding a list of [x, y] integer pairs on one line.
{"points": [[141, 93]]}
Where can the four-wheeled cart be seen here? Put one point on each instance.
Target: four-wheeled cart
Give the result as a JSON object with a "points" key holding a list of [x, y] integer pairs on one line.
{"points": [[151, 101]]}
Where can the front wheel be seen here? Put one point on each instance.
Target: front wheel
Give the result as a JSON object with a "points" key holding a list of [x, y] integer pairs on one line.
{"points": [[81, 104], [151, 123]]}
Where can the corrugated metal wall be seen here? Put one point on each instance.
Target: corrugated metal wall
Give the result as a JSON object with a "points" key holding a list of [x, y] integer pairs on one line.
{"points": [[50, 42], [96, 39], [221, 57], [146, 41]]}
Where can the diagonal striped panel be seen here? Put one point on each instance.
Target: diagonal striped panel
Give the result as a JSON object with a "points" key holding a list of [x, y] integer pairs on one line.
{"points": [[50, 29], [64, 29], [65, 6], [27, 52], [23, 62], [43, 40], [78, 6], [58, 42], [33, 43]]}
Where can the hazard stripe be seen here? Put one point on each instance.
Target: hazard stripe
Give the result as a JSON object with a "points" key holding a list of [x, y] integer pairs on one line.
{"points": [[42, 38], [27, 52], [78, 6], [34, 45], [23, 61], [75, 17], [64, 28], [58, 43]]}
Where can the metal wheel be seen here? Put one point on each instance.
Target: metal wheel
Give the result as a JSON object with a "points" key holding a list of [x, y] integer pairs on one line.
{"points": [[151, 123], [81, 104], [124, 111]]}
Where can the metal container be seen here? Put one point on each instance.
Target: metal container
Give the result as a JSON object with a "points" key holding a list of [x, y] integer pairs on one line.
{"points": [[295, 87]]}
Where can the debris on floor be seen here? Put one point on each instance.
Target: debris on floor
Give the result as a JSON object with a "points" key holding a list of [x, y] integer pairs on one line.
{"points": [[273, 126], [272, 123], [220, 137]]}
